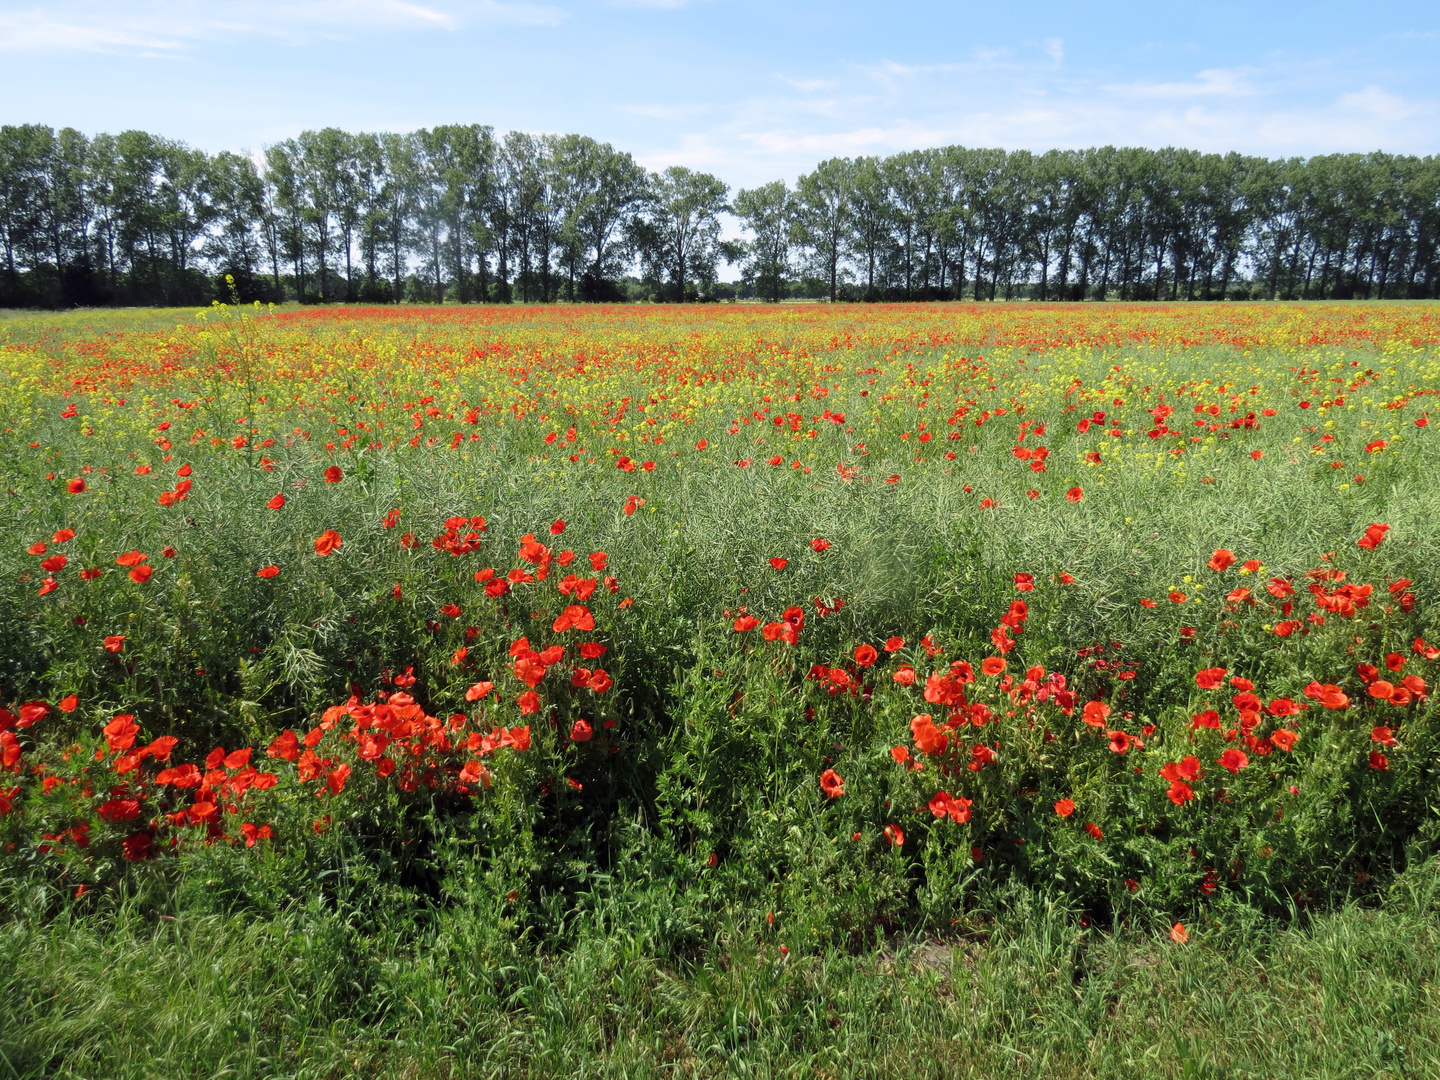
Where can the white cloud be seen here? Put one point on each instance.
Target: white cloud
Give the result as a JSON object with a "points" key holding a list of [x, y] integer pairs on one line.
{"points": [[1213, 82], [159, 27]]}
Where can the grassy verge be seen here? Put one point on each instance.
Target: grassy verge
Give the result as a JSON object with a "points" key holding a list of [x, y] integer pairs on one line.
{"points": [[1349, 993]]}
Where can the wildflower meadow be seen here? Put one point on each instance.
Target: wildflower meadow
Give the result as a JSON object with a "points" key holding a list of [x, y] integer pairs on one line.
{"points": [[659, 690]]}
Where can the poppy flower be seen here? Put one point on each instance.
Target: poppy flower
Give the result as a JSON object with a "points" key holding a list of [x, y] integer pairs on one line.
{"points": [[818, 545], [1075, 494], [832, 783], [1374, 536], [905, 676], [1233, 760], [333, 475], [1180, 792], [76, 486], [1094, 830], [901, 754], [895, 835], [894, 644], [992, 665], [779, 563], [1178, 934], [1284, 738], [327, 542], [1096, 713], [478, 691], [1210, 678], [943, 804], [581, 731], [1222, 560], [114, 643], [141, 574], [267, 571], [1065, 807], [1379, 761], [574, 617], [557, 527], [928, 738], [1383, 735], [131, 558], [744, 623], [277, 501], [865, 655]]}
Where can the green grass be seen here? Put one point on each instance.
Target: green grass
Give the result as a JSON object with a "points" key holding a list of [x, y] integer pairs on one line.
{"points": [[1031, 993]]}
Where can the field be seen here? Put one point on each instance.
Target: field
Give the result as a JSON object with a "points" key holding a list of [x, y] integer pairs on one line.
{"points": [[819, 691]]}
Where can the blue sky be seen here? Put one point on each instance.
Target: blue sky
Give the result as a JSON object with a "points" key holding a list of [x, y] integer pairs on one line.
{"points": [[748, 89]]}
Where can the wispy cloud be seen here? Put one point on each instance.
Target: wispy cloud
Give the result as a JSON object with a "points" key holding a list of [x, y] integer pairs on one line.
{"points": [[1213, 82], [170, 27]]}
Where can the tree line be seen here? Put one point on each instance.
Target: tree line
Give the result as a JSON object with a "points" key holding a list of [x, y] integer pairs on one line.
{"points": [[459, 214]]}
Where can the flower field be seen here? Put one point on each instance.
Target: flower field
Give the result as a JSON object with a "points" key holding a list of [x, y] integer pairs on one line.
{"points": [[835, 616]]}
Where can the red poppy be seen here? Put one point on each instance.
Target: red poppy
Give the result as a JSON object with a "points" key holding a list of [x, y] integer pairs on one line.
{"points": [[895, 835], [1094, 830], [1383, 735], [1065, 807], [779, 563], [76, 486], [1025, 582], [992, 665], [1178, 934], [1222, 560], [478, 691], [277, 501], [832, 783], [53, 563], [943, 804], [141, 574], [327, 542], [818, 545], [114, 643], [1379, 761], [1233, 760], [1096, 713], [1210, 678], [557, 527], [335, 780], [581, 731], [574, 617], [1374, 536], [1284, 738], [928, 738], [745, 622], [865, 655], [333, 475], [131, 558], [894, 644], [1075, 494]]}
